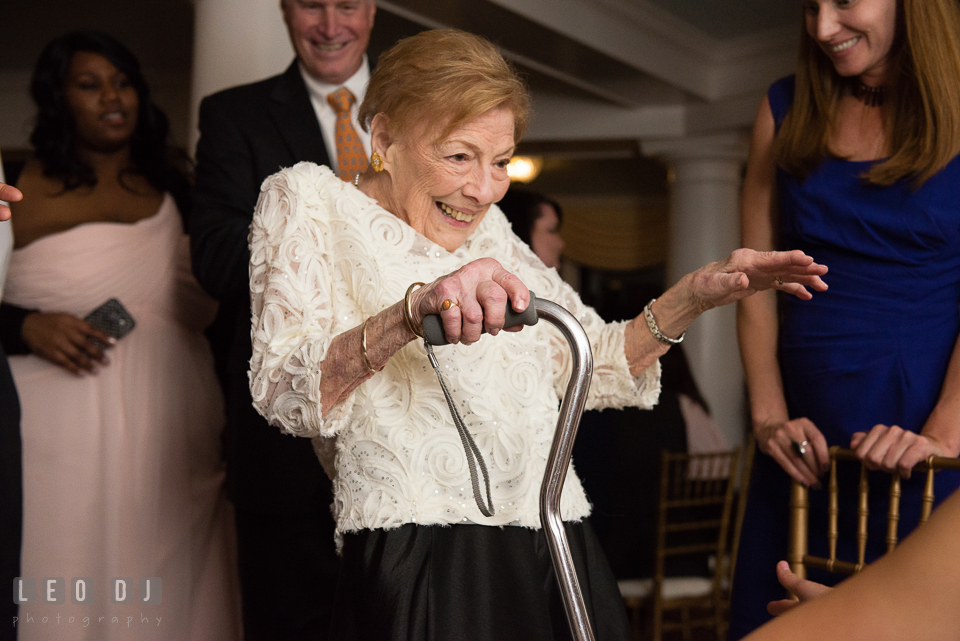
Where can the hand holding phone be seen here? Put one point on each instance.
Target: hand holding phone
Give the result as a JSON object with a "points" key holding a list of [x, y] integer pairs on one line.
{"points": [[75, 344], [111, 318]]}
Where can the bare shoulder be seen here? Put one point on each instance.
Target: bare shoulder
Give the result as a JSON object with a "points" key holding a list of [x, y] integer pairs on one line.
{"points": [[41, 201], [47, 208]]}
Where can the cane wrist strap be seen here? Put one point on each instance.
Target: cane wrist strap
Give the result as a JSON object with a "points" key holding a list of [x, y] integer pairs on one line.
{"points": [[472, 452]]}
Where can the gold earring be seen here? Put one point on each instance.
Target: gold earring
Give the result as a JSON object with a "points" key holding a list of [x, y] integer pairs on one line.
{"points": [[376, 162]]}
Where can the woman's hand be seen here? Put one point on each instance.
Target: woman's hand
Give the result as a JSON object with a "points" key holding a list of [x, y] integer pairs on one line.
{"points": [[10, 194], [478, 294], [805, 590], [746, 272], [65, 340], [894, 449], [777, 439]]}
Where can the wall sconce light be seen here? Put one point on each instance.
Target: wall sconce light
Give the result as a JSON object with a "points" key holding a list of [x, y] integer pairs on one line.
{"points": [[524, 169]]}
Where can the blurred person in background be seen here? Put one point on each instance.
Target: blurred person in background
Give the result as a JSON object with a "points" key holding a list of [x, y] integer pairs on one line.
{"points": [[536, 220], [123, 473]]}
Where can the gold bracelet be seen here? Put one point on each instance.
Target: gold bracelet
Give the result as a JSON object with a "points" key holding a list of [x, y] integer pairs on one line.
{"points": [[363, 347], [416, 328]]}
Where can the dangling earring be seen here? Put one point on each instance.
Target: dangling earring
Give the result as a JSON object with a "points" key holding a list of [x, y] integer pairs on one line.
{"points": [[376, 162]]}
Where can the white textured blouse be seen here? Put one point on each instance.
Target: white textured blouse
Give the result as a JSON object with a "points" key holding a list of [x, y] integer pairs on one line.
{"points": [[323, 257]]}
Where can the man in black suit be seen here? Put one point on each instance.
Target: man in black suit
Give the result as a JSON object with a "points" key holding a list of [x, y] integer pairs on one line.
{"points": [[11, 494], [288, 563], [11, 469]]}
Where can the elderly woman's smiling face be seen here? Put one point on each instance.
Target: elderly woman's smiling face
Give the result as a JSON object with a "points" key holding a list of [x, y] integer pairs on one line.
{"points": [[443, 188]]}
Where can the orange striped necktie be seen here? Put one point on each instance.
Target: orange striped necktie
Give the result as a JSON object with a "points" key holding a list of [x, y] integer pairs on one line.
{"points": [[351, 156]]}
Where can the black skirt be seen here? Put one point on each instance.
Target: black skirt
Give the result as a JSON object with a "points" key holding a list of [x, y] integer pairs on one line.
{"points": [[468, 582]]}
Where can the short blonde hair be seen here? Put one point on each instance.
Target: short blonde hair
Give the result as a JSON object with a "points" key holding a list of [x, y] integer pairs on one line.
{"points": [[923, 113], [446, 77]]}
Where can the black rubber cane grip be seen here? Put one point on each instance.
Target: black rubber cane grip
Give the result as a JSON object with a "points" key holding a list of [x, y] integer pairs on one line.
{"points": [[433, 327]]}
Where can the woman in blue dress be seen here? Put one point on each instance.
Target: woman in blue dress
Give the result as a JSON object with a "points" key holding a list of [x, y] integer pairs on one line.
{"points": [[855, 161]]}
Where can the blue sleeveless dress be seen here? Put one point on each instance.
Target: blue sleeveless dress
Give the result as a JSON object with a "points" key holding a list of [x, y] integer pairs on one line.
{"points": [[872, 349]]}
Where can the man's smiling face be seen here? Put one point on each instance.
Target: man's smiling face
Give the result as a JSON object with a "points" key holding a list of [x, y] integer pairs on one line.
{"points": [[329, 36]]}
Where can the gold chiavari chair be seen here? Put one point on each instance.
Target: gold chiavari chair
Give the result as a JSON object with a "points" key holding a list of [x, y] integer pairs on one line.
{"points": [[696, 516], [798, 555]]}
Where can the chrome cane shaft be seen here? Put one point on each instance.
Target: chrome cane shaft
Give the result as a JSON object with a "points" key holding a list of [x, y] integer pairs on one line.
{"points": [[558, 462]]}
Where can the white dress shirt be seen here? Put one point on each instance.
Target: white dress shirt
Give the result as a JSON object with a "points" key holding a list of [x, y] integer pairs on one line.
{"points": [[357, 84]]}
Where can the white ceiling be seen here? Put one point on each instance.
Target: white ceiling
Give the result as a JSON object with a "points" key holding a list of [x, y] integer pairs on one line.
{"points": [[639, 69], [599, 69]]}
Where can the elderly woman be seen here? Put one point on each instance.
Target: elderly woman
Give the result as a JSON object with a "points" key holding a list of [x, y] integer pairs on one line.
{"points": [[855, 159], [337, 307]]}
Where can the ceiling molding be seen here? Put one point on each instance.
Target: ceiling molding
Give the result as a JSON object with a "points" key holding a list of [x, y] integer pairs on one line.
{"points": [[652, 40], [728, 145], [673, 79], [650, 47], [562, 118], [735, 113], [566, 118], [593, 89]]}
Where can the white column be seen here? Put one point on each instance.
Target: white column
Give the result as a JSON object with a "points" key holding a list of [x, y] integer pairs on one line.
{"points": [[705, 183], [235, 42]]}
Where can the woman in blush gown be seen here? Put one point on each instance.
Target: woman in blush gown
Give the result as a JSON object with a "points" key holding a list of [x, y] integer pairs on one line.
{"points": [[121, 446]]}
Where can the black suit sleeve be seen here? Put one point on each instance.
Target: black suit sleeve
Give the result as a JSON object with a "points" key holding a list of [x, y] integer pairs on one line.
{"points": [[224, 200], [11, 326]]}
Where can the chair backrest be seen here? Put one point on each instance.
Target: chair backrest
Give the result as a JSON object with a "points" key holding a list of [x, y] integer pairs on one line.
{"points": [[743, 493], [696, 516], [696, 506], [798, 555]]}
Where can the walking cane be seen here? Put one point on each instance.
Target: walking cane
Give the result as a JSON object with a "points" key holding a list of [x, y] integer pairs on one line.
{"points": [[560, 452]]}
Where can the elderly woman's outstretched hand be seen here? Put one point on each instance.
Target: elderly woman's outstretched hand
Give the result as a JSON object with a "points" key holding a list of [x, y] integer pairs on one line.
{"points": [[471, 300], [746, 272]]}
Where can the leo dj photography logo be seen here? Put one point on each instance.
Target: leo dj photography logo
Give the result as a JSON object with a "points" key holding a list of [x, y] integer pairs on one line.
{"points": [[54, 590], [31, 595]]}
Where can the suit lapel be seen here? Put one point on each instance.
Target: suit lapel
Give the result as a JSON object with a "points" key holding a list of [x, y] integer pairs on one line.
{"points": [[294, 117]]}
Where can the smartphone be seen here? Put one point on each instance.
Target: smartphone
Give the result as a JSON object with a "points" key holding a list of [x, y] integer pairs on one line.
{"points": [[111, 318]]}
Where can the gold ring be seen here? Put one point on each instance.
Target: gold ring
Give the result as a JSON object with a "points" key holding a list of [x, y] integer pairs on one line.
{"points": [[447, 304], [779, 281]]}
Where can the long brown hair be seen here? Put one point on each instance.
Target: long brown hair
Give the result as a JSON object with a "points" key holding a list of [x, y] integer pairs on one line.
{"points": [[922, 118]]}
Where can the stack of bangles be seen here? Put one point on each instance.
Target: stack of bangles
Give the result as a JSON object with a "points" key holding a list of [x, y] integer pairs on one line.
{"points": [[415, 327]]}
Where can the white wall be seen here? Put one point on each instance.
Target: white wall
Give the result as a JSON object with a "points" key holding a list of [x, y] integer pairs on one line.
{"points": [[235, 42]]}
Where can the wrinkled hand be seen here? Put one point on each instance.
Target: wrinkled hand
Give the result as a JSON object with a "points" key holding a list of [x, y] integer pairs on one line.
{"points": [[805, 590], [479, 291], [11, 195], [776, 439], [746, 272], [64, 340], [894, 449]]}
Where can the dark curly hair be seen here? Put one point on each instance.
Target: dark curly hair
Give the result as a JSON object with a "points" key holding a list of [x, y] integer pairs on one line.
{"points": [[54, 136]]}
